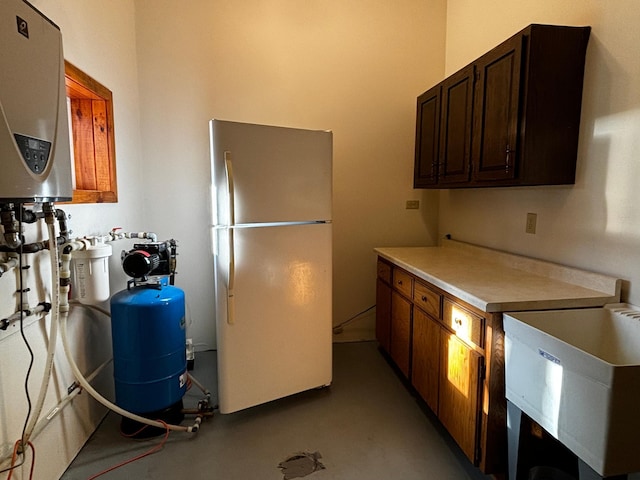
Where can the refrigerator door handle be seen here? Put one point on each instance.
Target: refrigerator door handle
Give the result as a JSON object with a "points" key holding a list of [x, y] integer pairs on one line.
{"points": [[232, 261], [228, 168], [231, 318]]}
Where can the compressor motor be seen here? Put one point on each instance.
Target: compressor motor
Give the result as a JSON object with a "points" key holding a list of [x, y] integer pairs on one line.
{"points": [[145, 260]]}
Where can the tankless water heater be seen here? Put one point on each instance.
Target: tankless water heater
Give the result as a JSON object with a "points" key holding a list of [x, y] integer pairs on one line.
{"points": [[35, 161]]}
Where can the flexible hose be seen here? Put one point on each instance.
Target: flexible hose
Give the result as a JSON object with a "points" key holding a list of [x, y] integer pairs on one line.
{"points": [[53, 334], [200, 385], [66, 400], [64, 314], [111, 406], [63, 403], [76, 303]]}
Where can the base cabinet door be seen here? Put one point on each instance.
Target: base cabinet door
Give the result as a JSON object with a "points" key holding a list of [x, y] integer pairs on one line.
{"points": [[425, 365], [400, 331], [383, 314], [459, 393]]}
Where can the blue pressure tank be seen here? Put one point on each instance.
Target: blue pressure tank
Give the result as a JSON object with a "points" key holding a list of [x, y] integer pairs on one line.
{"points": [[149, 347]]}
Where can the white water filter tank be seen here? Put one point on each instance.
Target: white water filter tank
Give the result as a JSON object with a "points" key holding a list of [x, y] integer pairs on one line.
{"points": [[91, 269]]}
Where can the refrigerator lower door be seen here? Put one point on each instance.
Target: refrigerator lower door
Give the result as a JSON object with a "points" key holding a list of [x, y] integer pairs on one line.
{"points": [[274, 333]]}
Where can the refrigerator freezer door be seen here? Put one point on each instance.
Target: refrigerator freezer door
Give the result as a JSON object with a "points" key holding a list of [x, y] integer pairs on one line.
{"points": [[279, 340], [279, 174]]}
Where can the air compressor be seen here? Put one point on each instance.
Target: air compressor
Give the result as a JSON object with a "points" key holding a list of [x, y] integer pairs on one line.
{"points": [[149, 337]]}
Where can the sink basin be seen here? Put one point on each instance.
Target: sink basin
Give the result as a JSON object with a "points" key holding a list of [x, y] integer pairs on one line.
{"points": [[577, 373]]}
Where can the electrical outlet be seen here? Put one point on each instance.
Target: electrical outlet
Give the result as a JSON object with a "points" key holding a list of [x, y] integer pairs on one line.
{"points": [[412, 204], [531, 223]]}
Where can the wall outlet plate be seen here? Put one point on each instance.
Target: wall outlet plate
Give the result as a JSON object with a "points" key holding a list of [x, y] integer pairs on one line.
{"points": [[531, 223], [412, 204]]}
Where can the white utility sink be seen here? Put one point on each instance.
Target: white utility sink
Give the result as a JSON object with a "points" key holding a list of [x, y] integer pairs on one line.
{"points": [[577, 373]]}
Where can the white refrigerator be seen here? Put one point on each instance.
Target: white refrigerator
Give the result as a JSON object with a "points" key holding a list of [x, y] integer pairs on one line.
{"points": [[272, 228]]}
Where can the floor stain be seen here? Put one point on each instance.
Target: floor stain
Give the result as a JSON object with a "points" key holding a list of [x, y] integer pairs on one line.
{"points": [[301, 464]]}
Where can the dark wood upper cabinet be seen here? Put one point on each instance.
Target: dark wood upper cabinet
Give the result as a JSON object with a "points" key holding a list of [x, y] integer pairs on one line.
{"points": [[495, 132], [510, 118], [455, 134], [427, 138]]}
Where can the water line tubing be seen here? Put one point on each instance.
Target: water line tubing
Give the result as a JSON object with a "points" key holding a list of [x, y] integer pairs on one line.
{"points": [[204, 389], [60, 305], [53, 332], [65, 401], [64, 314], [76, 303], [44, 421], [111, 406]]}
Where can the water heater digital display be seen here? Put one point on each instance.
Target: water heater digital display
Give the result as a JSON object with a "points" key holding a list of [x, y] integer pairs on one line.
{"points": [[35, 152], [35, 159]]}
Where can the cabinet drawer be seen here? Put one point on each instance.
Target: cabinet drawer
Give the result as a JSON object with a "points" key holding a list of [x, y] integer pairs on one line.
{"points": [[384, 271], [467, 325], [403, 282], [426, 299]]}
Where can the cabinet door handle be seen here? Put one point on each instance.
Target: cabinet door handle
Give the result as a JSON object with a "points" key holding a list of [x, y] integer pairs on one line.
{"points": [[424, 298], [458, 322], [399, 282]]}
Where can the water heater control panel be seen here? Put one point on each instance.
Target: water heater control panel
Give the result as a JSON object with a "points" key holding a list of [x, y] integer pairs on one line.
{"points": [[35, 152]]}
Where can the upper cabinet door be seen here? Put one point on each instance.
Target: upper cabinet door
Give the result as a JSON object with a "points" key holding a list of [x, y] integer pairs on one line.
{"points": [[455, 135], [427, 138], [495, 130]]}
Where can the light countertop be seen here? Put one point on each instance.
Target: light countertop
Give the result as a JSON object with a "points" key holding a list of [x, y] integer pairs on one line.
{"points": [[496, 281]]}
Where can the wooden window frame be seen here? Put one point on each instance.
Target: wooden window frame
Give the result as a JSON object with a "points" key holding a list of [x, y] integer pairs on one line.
{"points": [[92, 133]]}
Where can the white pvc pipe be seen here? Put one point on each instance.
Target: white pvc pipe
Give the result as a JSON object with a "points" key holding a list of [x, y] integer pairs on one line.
{"points": [[53, 333], [65, 273], [116, 235], [14, 317], [12, 261]]}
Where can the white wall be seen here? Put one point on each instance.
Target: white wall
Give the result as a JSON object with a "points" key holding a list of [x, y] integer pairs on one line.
{"points": [[594, 224], [353, 67], [101, 42]]}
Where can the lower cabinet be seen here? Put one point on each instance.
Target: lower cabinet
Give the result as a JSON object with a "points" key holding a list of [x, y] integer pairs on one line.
{"points": [[459, 392], [383, 314], [437, 342], [425, 345], [400, 331], [447, 374]]}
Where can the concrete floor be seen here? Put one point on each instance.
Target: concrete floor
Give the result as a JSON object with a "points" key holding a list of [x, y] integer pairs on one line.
{"points": [[365, 426]]}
